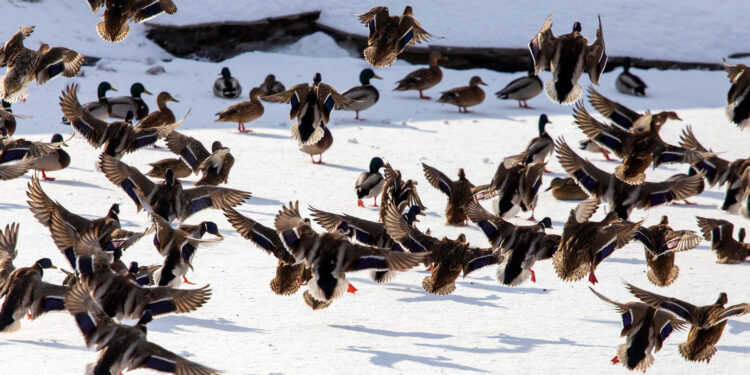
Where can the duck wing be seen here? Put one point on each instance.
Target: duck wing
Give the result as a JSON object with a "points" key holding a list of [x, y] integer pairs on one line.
{"points": [[596, 56], [542, 46], [15, 170], [654, 194], [676, 306], [438, 179], [409, 237], [296, 96], [264, 237], [190, 149], [591, 179], [610, 137], [56, 61], [90, 127], [621, 115], [359, 257], [126, 177], [152, 356], [197, 199], [715, 230]]}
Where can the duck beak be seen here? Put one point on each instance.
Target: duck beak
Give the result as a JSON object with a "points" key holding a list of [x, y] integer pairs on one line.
{"points": [[53, 267], [64, 144], [147, 92], [174, 100], [376, 76], [113, 89], [482, 83], [549, 188], [219, 235]]}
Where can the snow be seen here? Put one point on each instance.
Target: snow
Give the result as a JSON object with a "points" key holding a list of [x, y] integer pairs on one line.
{"points": [[483, 327]]}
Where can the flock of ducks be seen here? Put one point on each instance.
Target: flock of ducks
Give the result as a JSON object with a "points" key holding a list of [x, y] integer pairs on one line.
{"points": [[101, 288]]}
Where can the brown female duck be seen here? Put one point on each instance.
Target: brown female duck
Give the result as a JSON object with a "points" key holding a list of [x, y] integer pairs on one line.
{"points": [[113, 26], [423, 78], [719, 232], [244, 111], [465, 96], [389, 35], [738, 97], [661, 243], [459, 193], [566, 189]]}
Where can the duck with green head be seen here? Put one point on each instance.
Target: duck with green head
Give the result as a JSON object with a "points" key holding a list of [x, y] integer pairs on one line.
{"points": [[54, 161], [365, 96], [370, 184], [629, 83], [227, 86], [102, 107], [541, 147], [121, 105]]}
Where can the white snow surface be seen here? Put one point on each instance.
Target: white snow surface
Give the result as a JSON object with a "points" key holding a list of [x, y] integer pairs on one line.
{"points": [[545, 327]]}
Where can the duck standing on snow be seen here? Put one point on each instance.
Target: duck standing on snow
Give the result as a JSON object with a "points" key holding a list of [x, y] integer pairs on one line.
{"points": [[522, 89], [227, 86], [113, 26], [738, 97], [243, 112], [25, 66], [389, 35], [271, 86], [119, 106], [465, 96], [46, 156], [540, 148], [365, 96], [54, 161], [26, 294], [629, 83], [370, 184], [567, 56], [423, 78]]}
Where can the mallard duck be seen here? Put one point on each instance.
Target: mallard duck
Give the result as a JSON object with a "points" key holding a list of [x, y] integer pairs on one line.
{"points": [[389, 35], [567, 56], [271, 86], [459, 193], [311, 106], [622, 197], [716, 170], [113, 26], [707, 322], [8, 252], [629, 83], [365, 232], [737, 182], [162, 116], [200, 229], [179, 168], [8, 120], [521, 246], [586, 243], [26, 294], [566, 189], [243, 112], [738, 97], [516, 184], [290, 275], [47, 157], [319, 147], [370, 184], [423, 78], [465, 96], [25, 66], [719, 232], [110, 235], [168, 199], [646, 329], [118, 107], [119, 137], [101, 108], [661, 243], [54, 161], [624, 117], [227, 86], [215, 166], [449, 257], [540, 148], [123, 347], [403, 194], [522, 89], [364, 96], [331, 255], [638, 147]]}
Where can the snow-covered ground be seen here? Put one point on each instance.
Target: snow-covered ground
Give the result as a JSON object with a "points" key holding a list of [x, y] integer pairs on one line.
{"points": [[483, 327]]}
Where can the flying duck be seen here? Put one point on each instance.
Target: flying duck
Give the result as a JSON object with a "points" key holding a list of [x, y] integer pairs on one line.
{"points": [[113, 26], [389, 35]]}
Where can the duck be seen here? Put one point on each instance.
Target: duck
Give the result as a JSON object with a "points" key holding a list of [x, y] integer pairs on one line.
{"points": [[638, 148], [271, 86], [568, 56], [123, 347], [243, 112], [118, 137], [623, 197], [319, 147], [168, 199], [200, 229], [332, 255], [163, 116], [624, 117], [566, 189], [448, 257], [465, 96], [423, 78], [459, 192], [364, 96], [25, 66], [541, 147], [707, 322], [179, 168], [118, 107], [370, 184], [26, 294], [54, 161], [516, 184], [737, 182], [719, 232], [47, 157], [738, 97], [114, 28], [661, 242], [521, 246], [716, 170], [646, 328], [110, 234], [227, 86], [389, 35], [629, 83], [365, 232], [311, 106], [290, 275], [402, 194], [215, 165], [522, 89], [8, 120], [8, 252], [585, 243]]}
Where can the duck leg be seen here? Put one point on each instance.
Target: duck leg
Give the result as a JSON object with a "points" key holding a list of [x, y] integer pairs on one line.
{"points": [[606, 154], [45, 178], [615, 360], [359, 203], [241, 128], [375, 202], [356, 117], [686, 202], [533, 275], [592, 278], [531, 218], [351, 289], [320, 159], [421, 96], [299, 280], [185, 280]]}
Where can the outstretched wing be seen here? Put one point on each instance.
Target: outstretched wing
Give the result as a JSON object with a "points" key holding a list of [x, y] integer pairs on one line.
{"points": [[610, 137], [678, 307], [90, 127], [406, 235], [296, 96], [542, 46], [596, 56], [190, 149], [438, 179], [264, 237], [591, 179], [657, 193], [125, 177], [621, 115]]}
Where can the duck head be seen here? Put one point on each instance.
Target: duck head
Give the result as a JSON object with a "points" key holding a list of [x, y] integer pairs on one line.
{"points": [[211, 228], [476, 81], [114, 210], [169, 177], [626, 64], [741, 235], [104, 86], [225, 73], [543, 121], [375, 164], [722, 300], [411, 215], [612, 217], [408, 11], [146, 317], [133, 269], [664, 220], [164, 97], [6, 107], [216, 146], [545, 223], [44, 263], [461, 174], [436, 56], [137, 89], [366, 75], [58, 139], [317, 78], [255, 93], [270, 80], [577, 27], [556, 183]]}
